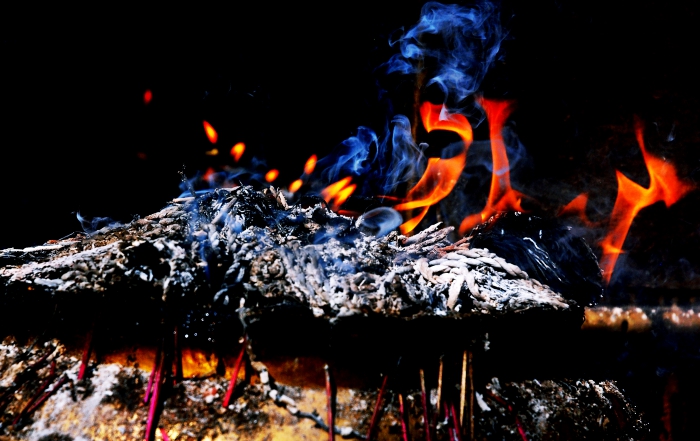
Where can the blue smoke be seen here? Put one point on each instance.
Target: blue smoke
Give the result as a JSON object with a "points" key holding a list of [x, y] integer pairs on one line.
{"points": [[376, 164], [95, 224], [454, 44]]}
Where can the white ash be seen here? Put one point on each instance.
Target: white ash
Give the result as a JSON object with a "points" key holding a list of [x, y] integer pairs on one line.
{"points": [[268, 249], [581, 408]]}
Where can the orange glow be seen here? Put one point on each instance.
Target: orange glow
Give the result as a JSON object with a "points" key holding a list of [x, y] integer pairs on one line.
{"points": [[212, 152], [332, 190], [209, 174], [343, 196], [147, 96], [295, 186], [272, 175], [412, 223], [440, 175], [310, 165], [664, 185], [577, 208], [211, 133], [501, 197], [237, 151], [195, 363], [337, 193]]}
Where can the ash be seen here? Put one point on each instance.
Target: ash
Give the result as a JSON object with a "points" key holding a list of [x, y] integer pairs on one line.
{"points": [[558, 409], [243, 248]]}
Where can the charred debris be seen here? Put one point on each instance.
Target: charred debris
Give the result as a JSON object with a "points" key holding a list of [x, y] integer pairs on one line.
{"points": [[223, 260], [241, 274]]}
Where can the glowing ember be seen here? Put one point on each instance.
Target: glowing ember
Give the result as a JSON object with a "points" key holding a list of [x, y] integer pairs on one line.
{"points": [[272, 175], [440, 175], [237, 151], [310, 165], [212, 152], [502, 197], [337, 193], [147, 96], [211, 133], [295, 186], [664, 185]]}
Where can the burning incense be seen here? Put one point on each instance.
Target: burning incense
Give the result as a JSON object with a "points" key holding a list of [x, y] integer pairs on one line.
{"points": [[329, 403], [377, 408], [234, 376], [424, 402]]}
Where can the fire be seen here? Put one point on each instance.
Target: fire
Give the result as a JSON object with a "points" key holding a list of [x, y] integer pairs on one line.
{"points": [[212, 152], [209, 174], [295, 186], [237, 151], [440, 175], [195, 362], [501, 197], [664, 185], [211, 133], [310, 165], [338, 192], [272, 175], [147, 96], [577, 208]]}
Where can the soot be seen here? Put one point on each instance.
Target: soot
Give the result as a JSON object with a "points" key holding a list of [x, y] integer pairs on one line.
{"points": [[547, 251]]}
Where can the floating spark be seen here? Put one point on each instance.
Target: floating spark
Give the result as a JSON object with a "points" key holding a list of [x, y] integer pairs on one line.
{"points": [[211, 133]]}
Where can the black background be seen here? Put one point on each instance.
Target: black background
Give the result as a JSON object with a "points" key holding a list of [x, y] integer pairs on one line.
{"points": [[297, 79]]}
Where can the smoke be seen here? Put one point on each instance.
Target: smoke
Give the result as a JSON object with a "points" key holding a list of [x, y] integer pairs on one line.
{"points": [[90, 226], [453, 45], [380, 164]]}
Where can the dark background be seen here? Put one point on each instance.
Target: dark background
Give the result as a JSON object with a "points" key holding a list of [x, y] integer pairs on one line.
{"points": [[297, 79]]}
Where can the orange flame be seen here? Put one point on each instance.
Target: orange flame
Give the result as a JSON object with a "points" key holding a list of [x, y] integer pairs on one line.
{"points": [[332, 190], [272, 175], [211, 133], [664, 185], [342, 196], [440, 175], [310, 165], [577, 208], [147, 96], [295, 186], [209, 174], [338, 192], [212, 152], [237, 151], [502, 197]]}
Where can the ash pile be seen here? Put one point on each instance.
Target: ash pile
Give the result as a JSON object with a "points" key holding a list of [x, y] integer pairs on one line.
{"points": [[234, 259], [243, 248], [300, 281]]}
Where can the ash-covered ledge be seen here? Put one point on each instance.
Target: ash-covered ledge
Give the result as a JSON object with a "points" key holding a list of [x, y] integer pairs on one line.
{"points": [[244, 248], [302, 285], [239, 258]]}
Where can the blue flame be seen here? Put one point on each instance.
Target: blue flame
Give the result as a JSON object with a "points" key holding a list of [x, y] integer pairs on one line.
{"points": [[455, 44]]}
